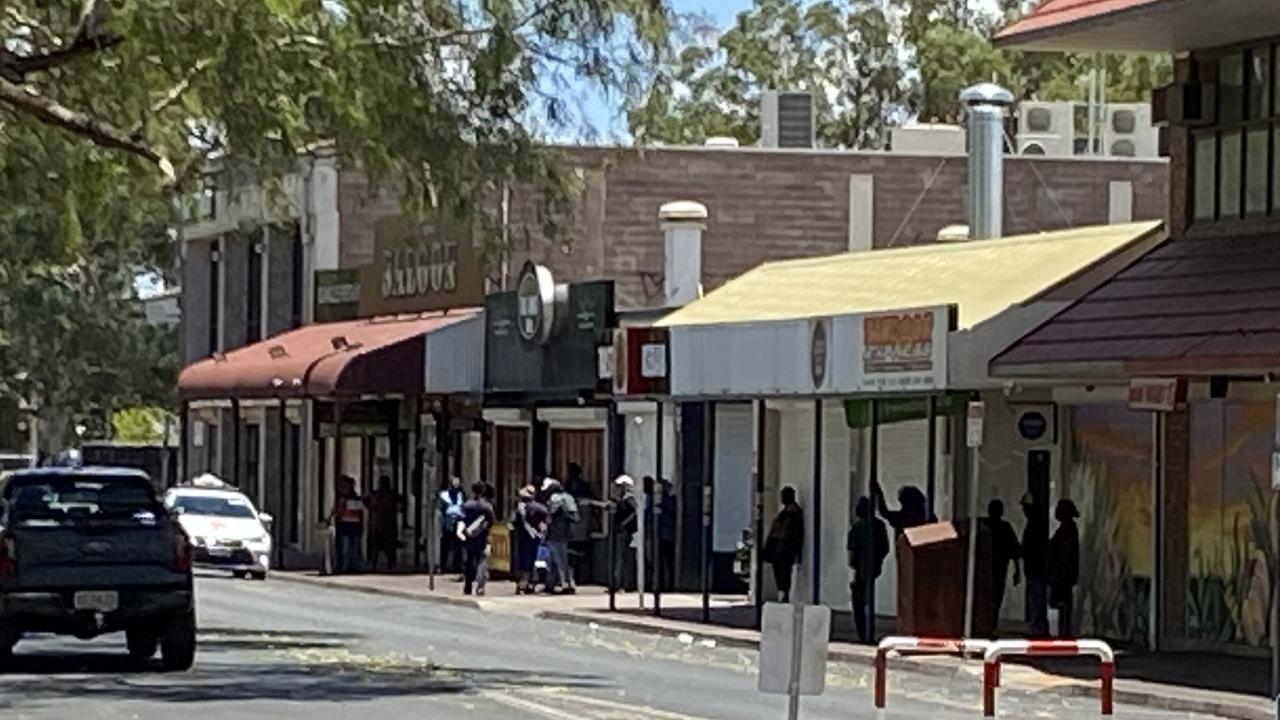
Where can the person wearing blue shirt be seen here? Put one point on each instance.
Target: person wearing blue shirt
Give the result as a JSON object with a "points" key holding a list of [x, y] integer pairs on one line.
{"points": [[452, 499]]}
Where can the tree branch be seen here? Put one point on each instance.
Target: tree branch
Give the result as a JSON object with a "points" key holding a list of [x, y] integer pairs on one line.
{"points": [[169, 98], [15, 67], [102, 133]]}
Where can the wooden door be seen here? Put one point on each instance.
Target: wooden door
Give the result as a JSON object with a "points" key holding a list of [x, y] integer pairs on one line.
{"points": [[512, 457], [584, 447]]}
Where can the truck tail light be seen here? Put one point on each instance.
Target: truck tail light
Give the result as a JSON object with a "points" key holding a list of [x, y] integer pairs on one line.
{"points": [[8, 556], [181, 552]]}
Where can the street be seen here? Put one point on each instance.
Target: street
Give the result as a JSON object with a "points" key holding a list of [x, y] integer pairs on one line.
{"points": [[281, 650]]}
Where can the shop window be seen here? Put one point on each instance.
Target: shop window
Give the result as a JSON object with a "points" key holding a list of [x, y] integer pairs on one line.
{"points": [[1229, 563], [1109, 478], [1260, 83], [1206, 154], [1256, 171], [1230, 170]]}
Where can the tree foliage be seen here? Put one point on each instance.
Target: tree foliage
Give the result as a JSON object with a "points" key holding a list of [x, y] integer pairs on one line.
{"points": [[870, 64]]}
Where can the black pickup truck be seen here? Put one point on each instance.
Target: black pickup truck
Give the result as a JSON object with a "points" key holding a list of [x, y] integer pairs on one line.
{"points": [[88, 551]]}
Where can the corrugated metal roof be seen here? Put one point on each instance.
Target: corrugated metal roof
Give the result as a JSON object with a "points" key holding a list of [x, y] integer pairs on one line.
{"points": [[1188, 307], [981, 278], [1049, 14], [1140, 25]]}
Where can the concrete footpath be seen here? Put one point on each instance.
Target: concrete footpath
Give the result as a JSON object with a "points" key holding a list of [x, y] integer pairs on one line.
{"points": [[1142, 687]]}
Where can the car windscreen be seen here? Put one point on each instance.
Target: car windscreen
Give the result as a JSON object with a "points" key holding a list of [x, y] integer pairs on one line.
{"points": [[213, 505], [71, 498]]}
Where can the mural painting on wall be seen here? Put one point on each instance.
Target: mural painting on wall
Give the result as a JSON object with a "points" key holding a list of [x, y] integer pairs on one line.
{"points": [[1109, 477], [1231, 564]]}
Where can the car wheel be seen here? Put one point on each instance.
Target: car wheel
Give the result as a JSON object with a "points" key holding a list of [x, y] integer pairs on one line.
{"points": [[258, 574], [239, 574], [142, 643], [178, 643]]}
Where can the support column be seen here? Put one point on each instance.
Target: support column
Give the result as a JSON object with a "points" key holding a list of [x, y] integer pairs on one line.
{"points": [[339, 468], [708, 502], [277, 521], [237, 458], [757, 541], [815, 596], [655, 515], [868, 544], [416, 477], [184, 432], [1173, 521], [931, 463]]}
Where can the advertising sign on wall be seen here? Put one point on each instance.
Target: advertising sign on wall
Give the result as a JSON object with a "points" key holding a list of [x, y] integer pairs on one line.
{"points": [[904, 350]]}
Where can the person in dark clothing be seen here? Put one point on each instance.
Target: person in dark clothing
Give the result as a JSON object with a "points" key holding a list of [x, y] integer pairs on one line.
{"points": [[913, 508], [1035, 565], [1064, 565], [384, 523], [348, 525], [667, 535], [473, 534], [868, 546], [784, 543], [527, 530], [626, 522], [563, 511], [451, 500], [577, 484], [1005, 549], [580, 544]]}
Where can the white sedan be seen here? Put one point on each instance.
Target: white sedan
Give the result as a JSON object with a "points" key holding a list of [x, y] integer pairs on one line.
{"points": [[226, 531]]}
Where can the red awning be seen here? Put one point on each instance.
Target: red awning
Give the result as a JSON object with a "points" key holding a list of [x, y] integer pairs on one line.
{"points": [[1141, 25], [353, 357], [1189, 307]]}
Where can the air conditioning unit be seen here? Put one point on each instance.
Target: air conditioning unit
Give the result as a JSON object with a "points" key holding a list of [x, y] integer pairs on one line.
{"points": [[1128, 131], [787, 119], [1046, 128]]}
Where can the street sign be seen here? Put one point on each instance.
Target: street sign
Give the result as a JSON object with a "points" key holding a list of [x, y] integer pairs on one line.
{"points": [[973, 428], [793, 650]]}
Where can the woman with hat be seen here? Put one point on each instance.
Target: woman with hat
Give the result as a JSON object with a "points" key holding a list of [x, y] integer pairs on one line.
{"points": [[529, 525], [1064, 565]]}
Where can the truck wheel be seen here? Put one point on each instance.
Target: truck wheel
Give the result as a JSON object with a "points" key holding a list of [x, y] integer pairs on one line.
{"points": [[239, 574], [258, 574], [142, 643], [178, 643]]}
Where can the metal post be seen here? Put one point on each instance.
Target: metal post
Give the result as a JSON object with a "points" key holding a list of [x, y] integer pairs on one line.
{"points": [[235, 442], [931, 463], [277, 522], [708, 502], [612, 545], [655, 515], [339, 468], [757, 541], [797, 650], [184, 431], [868, 544], [816, 572], [971, 569], [417, 476]]}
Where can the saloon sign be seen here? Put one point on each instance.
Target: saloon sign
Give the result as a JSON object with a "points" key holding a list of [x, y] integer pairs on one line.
{"points": [[904, 350], [420, 268]]}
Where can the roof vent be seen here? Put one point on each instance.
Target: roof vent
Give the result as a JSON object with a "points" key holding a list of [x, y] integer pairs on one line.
{"points": [[786, 119]]}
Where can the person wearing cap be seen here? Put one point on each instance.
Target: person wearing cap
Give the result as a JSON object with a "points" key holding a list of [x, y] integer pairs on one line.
{"points": [[626, 521], [1035, 565], [563, 510], [1064, 565], [529, 524]]}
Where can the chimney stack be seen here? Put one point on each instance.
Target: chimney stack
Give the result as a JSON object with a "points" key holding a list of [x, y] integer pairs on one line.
{"points": [[682, 224], [986, 103]]}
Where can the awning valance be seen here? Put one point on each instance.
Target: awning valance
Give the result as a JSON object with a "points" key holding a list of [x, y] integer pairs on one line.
{"points": [[349, 358], [1141, 25]]}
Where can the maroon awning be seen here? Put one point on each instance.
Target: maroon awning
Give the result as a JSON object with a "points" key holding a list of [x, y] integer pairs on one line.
{"points": [[1189, 307], [354, 357]]}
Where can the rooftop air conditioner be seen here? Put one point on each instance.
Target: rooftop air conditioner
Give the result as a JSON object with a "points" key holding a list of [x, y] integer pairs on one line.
{"points": [[1046, 128], [786, 119], [1128, 131]]}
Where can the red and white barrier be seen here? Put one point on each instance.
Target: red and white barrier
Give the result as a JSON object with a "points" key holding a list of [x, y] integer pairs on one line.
{"points": [[919, 646], [1045, 648]]}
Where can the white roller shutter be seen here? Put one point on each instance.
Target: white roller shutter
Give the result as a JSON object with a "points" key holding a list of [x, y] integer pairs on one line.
{"points": [[733, 475]]}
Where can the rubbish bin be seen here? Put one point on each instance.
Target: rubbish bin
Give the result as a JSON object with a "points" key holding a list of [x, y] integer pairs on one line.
{"points": [[931, 581]]}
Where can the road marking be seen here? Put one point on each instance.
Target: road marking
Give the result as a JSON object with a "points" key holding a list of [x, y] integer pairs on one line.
{"points": [[648, 712], [605, 709]]}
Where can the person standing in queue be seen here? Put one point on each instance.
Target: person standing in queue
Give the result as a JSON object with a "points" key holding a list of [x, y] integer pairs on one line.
{"points": [[563, 511], [348, 525], [667, 535], [384, 508], [473, 534], [1005, 549], [1035, 565], [1064, 566], [626, 521], [867, 562], [785, 542], [451, 501], [913, 508]]}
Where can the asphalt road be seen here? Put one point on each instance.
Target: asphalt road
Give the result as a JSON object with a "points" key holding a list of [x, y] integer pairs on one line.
{"points": [[280, 650]]}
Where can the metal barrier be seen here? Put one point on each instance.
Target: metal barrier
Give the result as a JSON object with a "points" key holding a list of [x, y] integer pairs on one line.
{"points": [[1045, 648], [919, 646]]}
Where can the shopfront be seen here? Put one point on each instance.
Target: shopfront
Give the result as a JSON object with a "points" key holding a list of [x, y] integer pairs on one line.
{"points": [[547, 393]]}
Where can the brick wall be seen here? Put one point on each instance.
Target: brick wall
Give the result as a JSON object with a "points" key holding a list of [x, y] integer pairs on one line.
{"points": [[768, 205]]}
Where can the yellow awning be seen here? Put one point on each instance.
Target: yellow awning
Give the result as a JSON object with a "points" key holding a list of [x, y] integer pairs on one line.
{"points": [[982, 278]]}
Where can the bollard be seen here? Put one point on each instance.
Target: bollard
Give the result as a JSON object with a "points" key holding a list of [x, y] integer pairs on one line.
{"points": [[1045, 648], [916, 646]]}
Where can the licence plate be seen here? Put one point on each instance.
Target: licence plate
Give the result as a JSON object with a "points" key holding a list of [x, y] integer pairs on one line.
{"points": [[97, 600], [220, 551]]}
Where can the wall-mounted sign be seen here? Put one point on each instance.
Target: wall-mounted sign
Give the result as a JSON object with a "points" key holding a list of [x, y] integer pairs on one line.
{"points": [[420, 268], [1157, 394], [974, 423], [535, 303], [337, 295], [640, 361], [819, 356], [1032, 425], [904, 350]]}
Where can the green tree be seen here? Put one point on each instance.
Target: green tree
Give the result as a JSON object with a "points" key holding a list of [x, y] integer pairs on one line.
{"points": [[141, 425]]}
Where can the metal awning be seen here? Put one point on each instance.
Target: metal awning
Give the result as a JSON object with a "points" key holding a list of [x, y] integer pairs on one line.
{"points": [[349, 358], [1141, 25]]}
